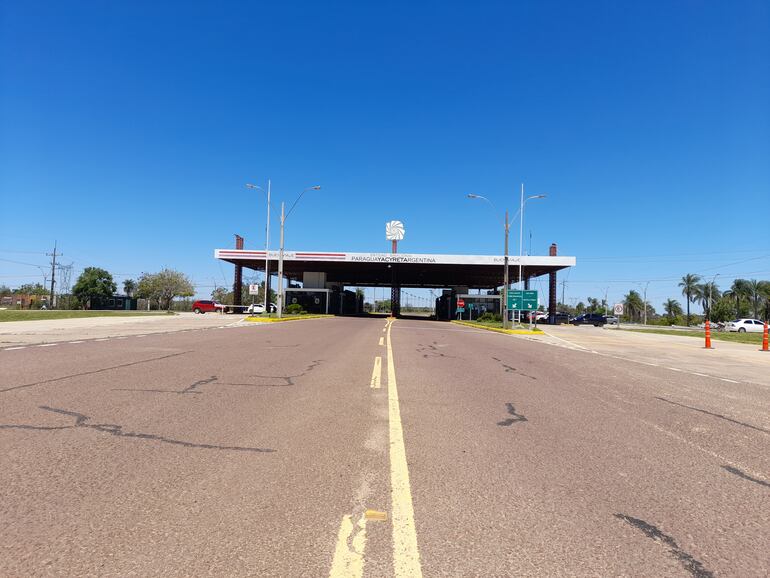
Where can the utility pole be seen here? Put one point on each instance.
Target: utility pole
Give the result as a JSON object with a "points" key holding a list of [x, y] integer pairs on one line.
{"points": [[53, 272]]}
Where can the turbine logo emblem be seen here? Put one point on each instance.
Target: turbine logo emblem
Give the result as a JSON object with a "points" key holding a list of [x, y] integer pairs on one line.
{"points": [[394, 231]]}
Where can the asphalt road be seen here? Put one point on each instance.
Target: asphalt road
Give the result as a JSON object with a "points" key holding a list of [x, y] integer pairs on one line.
{"points": [[259, 450]]}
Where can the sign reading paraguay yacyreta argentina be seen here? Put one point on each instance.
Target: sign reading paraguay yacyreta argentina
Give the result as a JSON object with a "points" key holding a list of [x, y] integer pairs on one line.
{"points": [[522, 300]]}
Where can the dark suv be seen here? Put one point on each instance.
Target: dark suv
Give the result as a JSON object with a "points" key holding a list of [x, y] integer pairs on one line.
{"points": [[595, 319]]}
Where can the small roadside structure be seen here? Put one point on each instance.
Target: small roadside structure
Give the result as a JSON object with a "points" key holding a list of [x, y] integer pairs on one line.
{"points": [[114, 303]]}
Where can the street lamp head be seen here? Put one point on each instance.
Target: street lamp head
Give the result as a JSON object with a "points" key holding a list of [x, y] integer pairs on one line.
{"points": [[250, 186], [472, 196], [537, 197], [316, 188]]}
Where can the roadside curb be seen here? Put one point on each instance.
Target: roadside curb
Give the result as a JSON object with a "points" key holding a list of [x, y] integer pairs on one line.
{"points": [[499, 330], [282, 319]]}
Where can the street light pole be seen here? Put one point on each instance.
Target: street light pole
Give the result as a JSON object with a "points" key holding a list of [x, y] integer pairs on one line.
{"points": [[284, 215], [267, 245], [504, 292], [645, 302], [521, 229], [280, 266]]}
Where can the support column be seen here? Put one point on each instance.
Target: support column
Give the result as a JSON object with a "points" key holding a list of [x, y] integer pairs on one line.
{"points": [[238, 281], [552, 290]]}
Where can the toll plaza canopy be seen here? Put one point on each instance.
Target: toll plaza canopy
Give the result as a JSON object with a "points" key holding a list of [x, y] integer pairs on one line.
{"points": [[402, 269]]}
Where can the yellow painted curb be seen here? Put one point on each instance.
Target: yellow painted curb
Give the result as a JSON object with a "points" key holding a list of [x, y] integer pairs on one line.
{"points": [[282, 319], [499, 329]]}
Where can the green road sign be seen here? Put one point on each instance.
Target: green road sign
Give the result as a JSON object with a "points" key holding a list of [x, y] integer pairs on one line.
{"points": [[461, 309], [522, 300]]}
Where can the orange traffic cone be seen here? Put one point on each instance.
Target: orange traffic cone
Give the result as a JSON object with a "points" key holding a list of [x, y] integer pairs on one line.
{"points": [[708, 335], [764, 338]]}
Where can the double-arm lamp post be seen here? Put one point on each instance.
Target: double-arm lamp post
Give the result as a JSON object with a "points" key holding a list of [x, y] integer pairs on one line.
{"points": [[507, 227], [267, 244], [284, 216]]}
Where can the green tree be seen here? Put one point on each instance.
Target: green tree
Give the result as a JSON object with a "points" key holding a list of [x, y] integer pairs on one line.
{"points": [[93, 283], [219, 294], [673, 309], [5, 290], [722, 310], [689, 285], [755, 290], [634, 305], [738, 291], [707, 293], [129, 286], [164, 286], [31, 289]]}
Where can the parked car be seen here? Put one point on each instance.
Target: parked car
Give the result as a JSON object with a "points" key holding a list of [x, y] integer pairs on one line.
{"points": [[595, 319], [745, 326], [205, 306], [562, 317], [257, 308], [612, 320]]}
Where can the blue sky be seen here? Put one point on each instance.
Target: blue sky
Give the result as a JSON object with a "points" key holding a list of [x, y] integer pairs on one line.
{"points": [[128, 130]]}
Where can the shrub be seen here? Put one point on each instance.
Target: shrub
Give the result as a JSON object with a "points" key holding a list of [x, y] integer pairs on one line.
{"points": [[490, 317], [294, 309]]}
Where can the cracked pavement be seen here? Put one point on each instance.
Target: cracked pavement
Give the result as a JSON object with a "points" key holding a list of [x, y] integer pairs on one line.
{"points": [[238, 452]]}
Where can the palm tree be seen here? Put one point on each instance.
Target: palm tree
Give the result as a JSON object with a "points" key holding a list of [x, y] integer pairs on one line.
{"points": [[129, 286], [634, 305], [738, 290], [673, 308], [764, 288], [707, 293], [689, 285], [754, 293]]}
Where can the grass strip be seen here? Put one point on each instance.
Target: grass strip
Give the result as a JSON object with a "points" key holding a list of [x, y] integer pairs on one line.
{"points": [[755, 338], [494, 327], [255, 319], [42, 315]]}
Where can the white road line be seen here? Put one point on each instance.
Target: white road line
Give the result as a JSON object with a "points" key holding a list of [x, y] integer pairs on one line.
{"points": [[349, 553], [15, 348], [406, 556], [74, 342], [700, 374], [103, 339], [382, 341], [673, 369], [121, 337], [140, 336], [46, 345], [728, 380], [376, 372]]}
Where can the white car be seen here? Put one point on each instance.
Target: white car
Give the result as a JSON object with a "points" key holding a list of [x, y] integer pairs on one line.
{"points": [[745, 326], [259, 308]]}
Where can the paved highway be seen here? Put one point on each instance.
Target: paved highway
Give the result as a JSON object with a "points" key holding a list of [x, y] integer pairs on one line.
{"points": [[349, 447]]}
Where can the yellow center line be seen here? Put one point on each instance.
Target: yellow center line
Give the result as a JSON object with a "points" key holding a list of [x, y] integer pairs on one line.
{"points": [[349, 554], [376, 372], [406, 556]]}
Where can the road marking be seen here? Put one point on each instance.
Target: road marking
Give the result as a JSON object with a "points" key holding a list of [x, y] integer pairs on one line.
{"points": [[140, 336], [46, 344], [376, 372], [406, 556], [103, 339], [74, 342], [15, 348], [121, 338], [700, 374], [349, 553], [728, 380], [673, 369], [382, 341]]}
